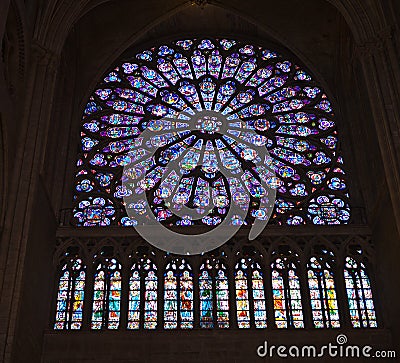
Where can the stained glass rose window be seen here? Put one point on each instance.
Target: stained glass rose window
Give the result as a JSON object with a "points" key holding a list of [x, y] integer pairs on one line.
{"points": [[215, 104]]}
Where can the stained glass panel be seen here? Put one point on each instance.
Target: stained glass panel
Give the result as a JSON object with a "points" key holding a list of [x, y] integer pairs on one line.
{"points": [[70, 295], [178, 295], [206, 300], [278, 292], [260, 313], [186, 300], [359, 294], [63, 297], [114, 300], [222, 297], [143, 277], [170, 301], [286, 294], [321, 284], [150, 305], [77, 308], [242, 300], [107, 295], [250, 297], [98, 300], [134, 299]]}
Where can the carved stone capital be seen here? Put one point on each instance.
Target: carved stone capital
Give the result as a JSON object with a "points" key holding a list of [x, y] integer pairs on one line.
{"points": [[201, 3], [375, 44], [44, 56]]}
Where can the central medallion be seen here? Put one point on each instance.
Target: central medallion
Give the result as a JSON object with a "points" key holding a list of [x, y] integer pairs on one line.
{"points": [[208, 124]]}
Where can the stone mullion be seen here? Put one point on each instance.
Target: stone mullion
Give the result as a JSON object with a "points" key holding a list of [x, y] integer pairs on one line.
{"points": [[322, 297], [214, 304], [89, 290], [28, 163], [71, 297], [305, 294], [125, 297], [287, 297], [341, 295], [178, 299], [160, 294], [196, 293], [233, 324], [252, 309], [269, 297]]}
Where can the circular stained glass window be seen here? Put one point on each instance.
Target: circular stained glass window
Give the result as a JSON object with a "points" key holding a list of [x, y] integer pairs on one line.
{"points": [[213, 104]]}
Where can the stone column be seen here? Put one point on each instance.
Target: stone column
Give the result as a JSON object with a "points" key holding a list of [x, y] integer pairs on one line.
{"points": [[28, 161]]}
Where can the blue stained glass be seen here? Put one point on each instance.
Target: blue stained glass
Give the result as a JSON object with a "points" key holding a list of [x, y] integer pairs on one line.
{"points": [[206, 44], [227, 44], [185, 44], [199, 64], [129, 67], [168, 70], [202, 194], [214, 63], [245, 70], [183, 67], [112, 77], [206, 300]]}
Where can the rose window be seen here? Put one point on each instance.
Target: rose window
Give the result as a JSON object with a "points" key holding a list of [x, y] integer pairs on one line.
{"points": [[234, 119]]}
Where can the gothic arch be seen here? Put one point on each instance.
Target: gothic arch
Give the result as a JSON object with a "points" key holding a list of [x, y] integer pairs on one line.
{"points": [[357, 14]]}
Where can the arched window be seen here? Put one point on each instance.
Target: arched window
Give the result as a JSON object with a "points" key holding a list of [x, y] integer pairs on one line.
{"points": [[70, 295], [250, 297], [143, 295], [214, 294], [107, 295], [324, 305], [359, 294], [188, 91], [286, 291], [178, 295]]}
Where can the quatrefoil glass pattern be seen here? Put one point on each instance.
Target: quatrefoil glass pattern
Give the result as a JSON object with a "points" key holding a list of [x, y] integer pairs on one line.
{"points": [[264, 98]]}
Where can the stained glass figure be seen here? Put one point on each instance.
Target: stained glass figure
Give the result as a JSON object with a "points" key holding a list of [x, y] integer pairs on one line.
{"points": [[321, 283], [143, 278], [206, 299], [70, 295], [359, 294], [266, 100], [222, 297], [214, 294], [107, 295], [178, 295], [286, 293], [250, 297], [260, 310]]}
